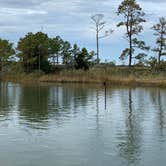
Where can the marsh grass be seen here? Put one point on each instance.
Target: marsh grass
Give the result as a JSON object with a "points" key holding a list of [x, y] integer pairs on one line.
{"points": [[98, 75], [110, 76]]}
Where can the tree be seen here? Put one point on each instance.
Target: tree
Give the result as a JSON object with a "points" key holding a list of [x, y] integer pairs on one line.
{"points": [[66, 53], [133, 17], [6, 51], [75, 52], [34, 51], [99, 25], [160, 32], [152, 62], [56, 45], [83, 59]]}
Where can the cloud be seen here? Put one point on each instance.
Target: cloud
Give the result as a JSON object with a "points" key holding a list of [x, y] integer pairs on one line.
{"points": [[21, 3], [70, 19], [154, 1]]}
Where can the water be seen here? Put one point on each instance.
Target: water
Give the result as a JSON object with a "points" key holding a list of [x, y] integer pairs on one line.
{"points": [[81, 125]]}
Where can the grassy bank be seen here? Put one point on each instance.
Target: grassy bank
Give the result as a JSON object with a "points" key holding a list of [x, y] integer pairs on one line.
{"points": [[109, 75]]}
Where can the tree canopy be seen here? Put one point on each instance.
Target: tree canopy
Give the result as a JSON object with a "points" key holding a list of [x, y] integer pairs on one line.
{"points": [[39, 52], [6, 51], [160, 33], [34, 51], [133, 19]]}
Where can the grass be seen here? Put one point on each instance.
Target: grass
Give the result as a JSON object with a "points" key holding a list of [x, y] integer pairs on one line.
{"points": [[122, 76]]}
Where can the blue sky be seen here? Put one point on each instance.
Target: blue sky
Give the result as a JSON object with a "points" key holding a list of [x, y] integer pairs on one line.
{"points": [[71, 20]]}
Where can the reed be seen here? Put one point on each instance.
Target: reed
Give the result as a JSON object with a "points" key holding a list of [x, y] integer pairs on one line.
{"points": [[110, 76]]}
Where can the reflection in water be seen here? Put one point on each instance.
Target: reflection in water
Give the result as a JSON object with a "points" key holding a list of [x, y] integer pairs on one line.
{"points": [[82, 125], [158, 99], [130, 147], [160, 113], [33, 106], [9, 95], [105, 96], [3, 98]]}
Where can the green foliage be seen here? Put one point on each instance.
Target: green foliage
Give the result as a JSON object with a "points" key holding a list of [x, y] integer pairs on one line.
{"points": [[55, 48], [75, 52], [67, 53], [152, 62], [6, 51], [112, 63], [83, 59], [107, 64], [160, 32], [133, 18], [124, 54], [141, 58], [16, 67], [38, 52], [140, 44], [161, 66], [34, 52]]}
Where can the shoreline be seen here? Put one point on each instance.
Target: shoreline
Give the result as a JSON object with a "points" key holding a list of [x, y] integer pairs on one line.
{"points": [[88, 78]]}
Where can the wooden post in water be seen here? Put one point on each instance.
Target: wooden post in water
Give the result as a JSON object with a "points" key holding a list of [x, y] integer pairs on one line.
{"points": [[105, 96]]}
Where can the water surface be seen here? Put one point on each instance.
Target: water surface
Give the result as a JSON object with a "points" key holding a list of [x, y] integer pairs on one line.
{"points": [[81, 125]]}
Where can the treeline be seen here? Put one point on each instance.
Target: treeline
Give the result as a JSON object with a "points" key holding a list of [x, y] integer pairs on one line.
{"points": [[36, 51]]}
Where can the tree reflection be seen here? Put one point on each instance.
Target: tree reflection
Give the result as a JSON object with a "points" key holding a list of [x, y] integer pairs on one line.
{"points": [[105, 96], [34, 105], [130, 147], [158, 100], [39, 104], [4, 99], [9, 96], [161, 113], [74, 97]]}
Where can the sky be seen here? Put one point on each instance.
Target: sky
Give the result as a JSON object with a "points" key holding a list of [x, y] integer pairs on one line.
{"points": [[71, 20]]}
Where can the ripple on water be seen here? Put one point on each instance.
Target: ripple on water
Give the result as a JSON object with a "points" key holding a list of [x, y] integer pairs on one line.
{"points": [[81, 125]]}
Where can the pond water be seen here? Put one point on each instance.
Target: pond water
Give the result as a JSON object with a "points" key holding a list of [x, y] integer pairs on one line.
{"points": [[81, 125]]}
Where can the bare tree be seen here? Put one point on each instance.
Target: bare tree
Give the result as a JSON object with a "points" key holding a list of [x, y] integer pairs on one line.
{"points": [[99, 24]]}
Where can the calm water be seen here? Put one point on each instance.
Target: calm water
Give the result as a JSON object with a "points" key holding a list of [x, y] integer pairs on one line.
{"points": [[78, 125]]}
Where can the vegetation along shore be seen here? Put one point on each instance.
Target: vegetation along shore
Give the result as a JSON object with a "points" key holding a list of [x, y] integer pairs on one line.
{"points": [[111, 76], [40, 58]]}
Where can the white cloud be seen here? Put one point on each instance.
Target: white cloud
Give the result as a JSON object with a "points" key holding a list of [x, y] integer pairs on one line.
{"points": [[71, 19]]}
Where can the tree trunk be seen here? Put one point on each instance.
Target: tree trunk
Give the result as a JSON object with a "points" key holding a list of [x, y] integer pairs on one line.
{"points": [[97, 41], [130, 53], [54, 59], [57, 59], [159, 58], [0, 65], [161, 49]]}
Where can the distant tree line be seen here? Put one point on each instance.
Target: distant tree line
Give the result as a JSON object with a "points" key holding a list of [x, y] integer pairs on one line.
{"points": [[37, 51]]}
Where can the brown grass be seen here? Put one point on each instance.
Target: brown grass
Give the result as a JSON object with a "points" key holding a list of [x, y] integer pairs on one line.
{"points": [[110, 76]]}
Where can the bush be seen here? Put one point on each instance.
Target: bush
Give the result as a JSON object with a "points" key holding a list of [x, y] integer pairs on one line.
{"points": [[161, 66], [16, 67], [83, 60], [152, 62]]}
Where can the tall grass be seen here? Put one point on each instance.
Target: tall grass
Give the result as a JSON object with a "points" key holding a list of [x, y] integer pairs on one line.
{"points": [[110, 76], [98, 75]]}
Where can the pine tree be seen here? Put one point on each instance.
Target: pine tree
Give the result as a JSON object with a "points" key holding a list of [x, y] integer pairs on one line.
{"points": [[133, 19], [160, 32]]}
